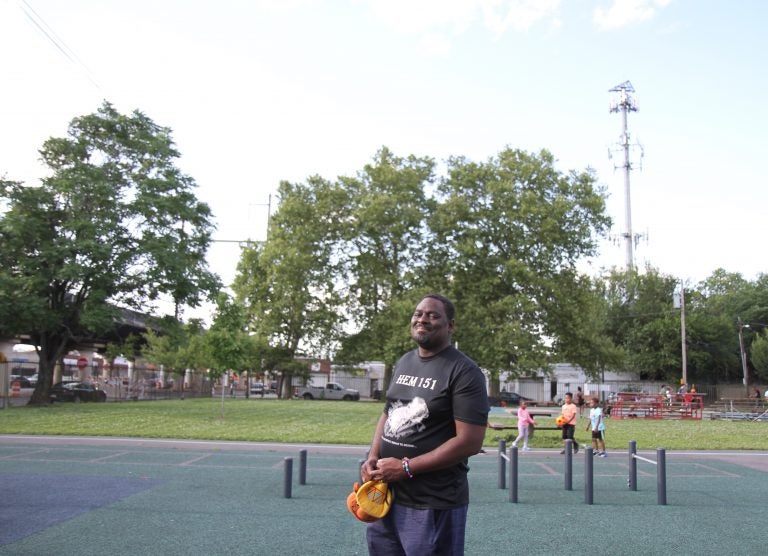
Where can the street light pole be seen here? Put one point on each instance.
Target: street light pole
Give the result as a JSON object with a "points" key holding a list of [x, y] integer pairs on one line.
{"points": [[744, 368]]}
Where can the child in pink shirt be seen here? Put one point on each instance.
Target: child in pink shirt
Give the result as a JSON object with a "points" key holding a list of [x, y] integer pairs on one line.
{"points": [[524, 419]]}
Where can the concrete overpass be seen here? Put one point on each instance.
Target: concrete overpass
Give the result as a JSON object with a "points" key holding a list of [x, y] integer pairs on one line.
{"points": [[87, 354]]}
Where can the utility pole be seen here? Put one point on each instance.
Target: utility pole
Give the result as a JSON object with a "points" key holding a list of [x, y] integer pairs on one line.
{"points": [[268, 204], [249, 241], [625, 104], [680, 300]]}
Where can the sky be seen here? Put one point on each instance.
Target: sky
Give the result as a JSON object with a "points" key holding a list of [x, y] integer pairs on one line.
{"points": [[257, 92]]}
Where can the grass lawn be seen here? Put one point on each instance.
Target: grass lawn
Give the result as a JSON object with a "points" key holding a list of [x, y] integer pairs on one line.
{"points": [[300, 421]]}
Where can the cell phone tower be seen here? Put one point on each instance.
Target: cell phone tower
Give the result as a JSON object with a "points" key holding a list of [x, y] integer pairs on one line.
{"points": [[626, 104]]}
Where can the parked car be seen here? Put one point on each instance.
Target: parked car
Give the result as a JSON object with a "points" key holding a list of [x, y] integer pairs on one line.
{"points": [[510, 398], [76, 392], [24, 381], [332, 391], [25, 376]]}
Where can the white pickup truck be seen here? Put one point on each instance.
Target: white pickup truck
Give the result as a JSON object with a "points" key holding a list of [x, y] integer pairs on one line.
{"points": [[332, 391]]}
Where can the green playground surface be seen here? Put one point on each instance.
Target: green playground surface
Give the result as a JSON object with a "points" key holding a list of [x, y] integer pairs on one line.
{"points": [[97, 496]]}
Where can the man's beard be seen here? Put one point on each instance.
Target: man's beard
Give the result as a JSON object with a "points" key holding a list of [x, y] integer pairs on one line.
{"points": [[422, 338]]}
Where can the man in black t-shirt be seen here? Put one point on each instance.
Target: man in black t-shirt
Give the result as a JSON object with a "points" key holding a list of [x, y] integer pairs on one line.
{"points": [[434, 419]]}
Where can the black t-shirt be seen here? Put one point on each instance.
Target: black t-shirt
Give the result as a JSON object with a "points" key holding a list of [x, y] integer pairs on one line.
{"points": [[424, 398]]}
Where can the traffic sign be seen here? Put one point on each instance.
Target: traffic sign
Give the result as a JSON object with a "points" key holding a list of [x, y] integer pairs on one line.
{"points": [[82, 363]]}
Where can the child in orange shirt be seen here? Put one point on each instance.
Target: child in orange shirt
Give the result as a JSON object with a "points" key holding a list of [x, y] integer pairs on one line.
{"points": [[569, 411]]}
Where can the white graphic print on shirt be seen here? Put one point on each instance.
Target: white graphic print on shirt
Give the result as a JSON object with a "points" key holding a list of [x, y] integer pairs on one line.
{"points": [[406, 419]]}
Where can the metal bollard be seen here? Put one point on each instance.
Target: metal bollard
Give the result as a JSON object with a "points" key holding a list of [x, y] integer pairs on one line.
{"points": [[661, 477], [302, 467], [588, 475], [632, 480], [513, 474], [568, 462], [287, 476], [502, 464]]}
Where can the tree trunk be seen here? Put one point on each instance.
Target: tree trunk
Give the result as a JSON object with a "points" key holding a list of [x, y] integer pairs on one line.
{"points": [[50, 350]]}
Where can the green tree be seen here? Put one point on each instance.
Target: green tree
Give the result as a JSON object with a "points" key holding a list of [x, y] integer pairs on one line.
{"points": [[115, 223], [387, 231], [642, 321], [754, 312], [725, 300], [509, 234], [759, 354], [180, 346], [230, 345], [287, 285], [383, 253], [581, 317], [713, 354]]}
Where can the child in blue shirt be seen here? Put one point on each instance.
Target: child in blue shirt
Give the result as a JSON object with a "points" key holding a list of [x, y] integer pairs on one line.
{"points": [[597, 426]]}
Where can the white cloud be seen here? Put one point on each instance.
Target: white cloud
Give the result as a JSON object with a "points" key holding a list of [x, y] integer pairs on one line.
{"points": [[424, 16], [437, 20], [519, 15], [627, 12], [436, 44], [283, 7]]}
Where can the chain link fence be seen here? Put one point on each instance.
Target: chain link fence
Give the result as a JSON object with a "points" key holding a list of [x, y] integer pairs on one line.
{"points": [[120, 382]]}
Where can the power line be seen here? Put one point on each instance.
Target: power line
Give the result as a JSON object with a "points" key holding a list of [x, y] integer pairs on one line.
{"points": [[48, 32]]}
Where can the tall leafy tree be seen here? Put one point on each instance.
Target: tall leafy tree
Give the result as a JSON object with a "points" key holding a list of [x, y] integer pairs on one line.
{"points": [[759, 354], [230, 345], [509, 233], [502, 238], [384, 250], [733, 303], [114, 223], [287, 285], [756, 336], [180, 346], [580, 314], [387, 232], [642, 321]]}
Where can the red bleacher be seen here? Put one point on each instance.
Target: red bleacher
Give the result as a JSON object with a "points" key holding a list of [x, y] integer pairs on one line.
{"points": [[631, 405]]}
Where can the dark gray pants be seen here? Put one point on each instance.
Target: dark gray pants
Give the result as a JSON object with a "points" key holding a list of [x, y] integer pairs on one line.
{"points": [[410, 532]]}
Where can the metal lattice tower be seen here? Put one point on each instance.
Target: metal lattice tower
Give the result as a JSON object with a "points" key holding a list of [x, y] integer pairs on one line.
{"points": [[625, 104]]}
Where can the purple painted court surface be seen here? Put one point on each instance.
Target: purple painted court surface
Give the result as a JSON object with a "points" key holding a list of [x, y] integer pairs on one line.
{"points": [[32, 503]]}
